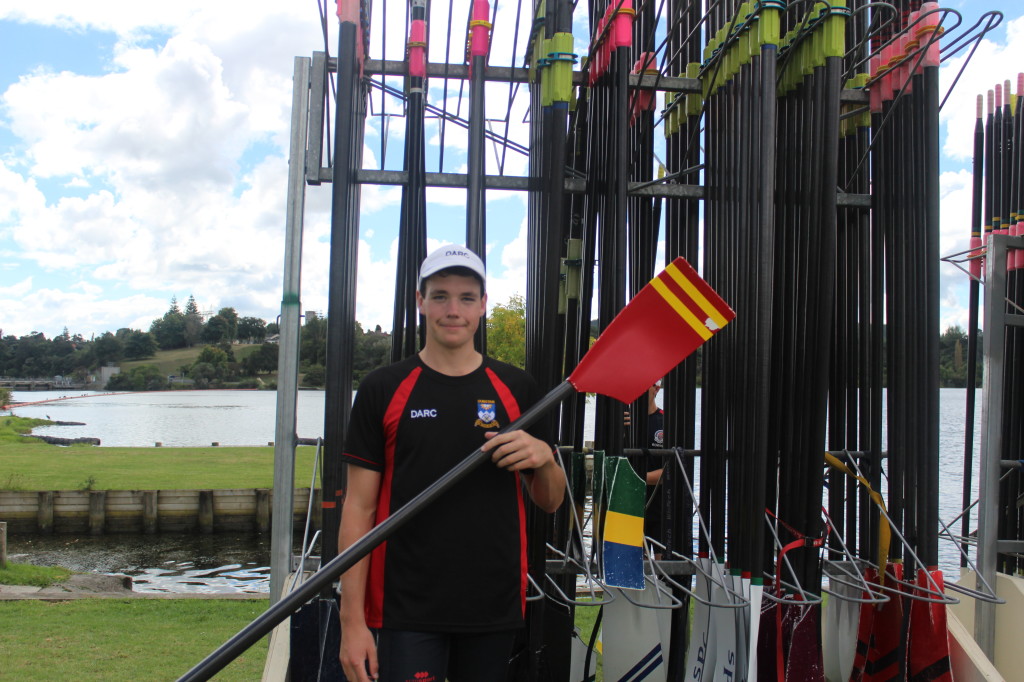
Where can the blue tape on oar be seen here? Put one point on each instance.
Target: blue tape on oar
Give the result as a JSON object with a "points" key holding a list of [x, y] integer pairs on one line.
{"points": [[620, 564]]}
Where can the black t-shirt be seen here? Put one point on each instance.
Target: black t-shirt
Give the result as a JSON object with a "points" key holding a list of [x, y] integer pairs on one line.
{"points": [[459, 565], [655, 439]]}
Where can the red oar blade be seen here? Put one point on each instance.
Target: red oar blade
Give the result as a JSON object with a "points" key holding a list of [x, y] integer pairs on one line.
{"points": [[669, 319]]}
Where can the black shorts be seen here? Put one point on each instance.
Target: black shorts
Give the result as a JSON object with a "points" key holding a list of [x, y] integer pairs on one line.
{"points": [[405, 656]]}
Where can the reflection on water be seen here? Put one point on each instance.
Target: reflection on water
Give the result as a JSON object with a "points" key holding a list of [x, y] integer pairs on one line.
{"points": [[158, 563]]}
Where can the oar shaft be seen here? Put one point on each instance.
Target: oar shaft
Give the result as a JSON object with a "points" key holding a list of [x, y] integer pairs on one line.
{"points": [[323, 578]]}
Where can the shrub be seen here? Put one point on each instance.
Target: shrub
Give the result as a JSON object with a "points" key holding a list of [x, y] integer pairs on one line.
{"points": [[315, 376], [141, 378]]}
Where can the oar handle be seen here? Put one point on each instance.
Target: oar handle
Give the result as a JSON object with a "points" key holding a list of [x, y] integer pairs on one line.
{"points": [[290, 603]]}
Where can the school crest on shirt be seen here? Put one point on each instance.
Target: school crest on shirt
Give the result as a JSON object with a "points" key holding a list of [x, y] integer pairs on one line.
{"points": [[486, 413]]}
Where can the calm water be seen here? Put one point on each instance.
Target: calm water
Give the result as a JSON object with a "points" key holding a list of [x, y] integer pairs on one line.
{"points": [[198, 418], [174, 418]]}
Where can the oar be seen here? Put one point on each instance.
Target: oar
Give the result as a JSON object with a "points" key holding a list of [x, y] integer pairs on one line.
{"points": [[972, 324], [669, 319], [412, 231], [344, 262], [476, 216]]}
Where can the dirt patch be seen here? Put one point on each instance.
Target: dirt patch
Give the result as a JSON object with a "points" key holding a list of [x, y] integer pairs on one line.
{"points": [[90, 583]]}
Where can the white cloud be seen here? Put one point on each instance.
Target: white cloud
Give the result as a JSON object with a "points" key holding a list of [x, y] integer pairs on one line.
{"points": [[512, 259], [169, 197], [991, 64], [27, 308], [19, 289]]}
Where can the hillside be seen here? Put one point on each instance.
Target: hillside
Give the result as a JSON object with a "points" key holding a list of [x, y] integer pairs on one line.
{"points": [[170, 361]]}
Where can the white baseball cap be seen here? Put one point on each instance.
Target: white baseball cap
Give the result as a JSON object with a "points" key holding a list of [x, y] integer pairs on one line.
{"points": [[451, 256]]}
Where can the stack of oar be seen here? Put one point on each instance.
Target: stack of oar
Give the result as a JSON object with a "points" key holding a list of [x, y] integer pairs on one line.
{"points": [[998, 175], [412, 229], [904, 108]]}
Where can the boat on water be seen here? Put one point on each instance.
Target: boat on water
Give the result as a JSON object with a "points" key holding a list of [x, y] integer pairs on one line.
{"points": [[788, 151]]}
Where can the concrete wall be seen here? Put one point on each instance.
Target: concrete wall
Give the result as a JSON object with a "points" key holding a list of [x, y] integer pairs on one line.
{"points": [[99, 512]]}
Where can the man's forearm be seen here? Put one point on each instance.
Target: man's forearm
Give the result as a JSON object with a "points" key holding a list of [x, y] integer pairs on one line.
{"points": [[547, 486], [353, 581]]}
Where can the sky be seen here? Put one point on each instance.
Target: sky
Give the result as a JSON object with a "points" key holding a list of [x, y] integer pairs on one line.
{"points": [[144, 156]]}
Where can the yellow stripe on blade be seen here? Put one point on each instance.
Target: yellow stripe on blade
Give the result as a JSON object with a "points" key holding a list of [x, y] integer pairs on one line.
{"points": [[681, 309], [693, 292], [624, 529]]}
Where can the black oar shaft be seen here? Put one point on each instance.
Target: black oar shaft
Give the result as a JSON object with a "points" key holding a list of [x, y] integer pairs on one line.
{"points": [[323, 578]]}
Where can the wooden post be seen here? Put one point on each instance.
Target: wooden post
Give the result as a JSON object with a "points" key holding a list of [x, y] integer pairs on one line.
{"points": [[44, 515], [97, 511], [262, 510], [205, 511], [3, 545], [149, 512]]}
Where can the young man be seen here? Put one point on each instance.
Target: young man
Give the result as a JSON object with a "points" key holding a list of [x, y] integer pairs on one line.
{"points": [[444, 597]]}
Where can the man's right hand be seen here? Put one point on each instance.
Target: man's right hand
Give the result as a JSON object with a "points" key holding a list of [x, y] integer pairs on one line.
{"points": [[358, 653]]}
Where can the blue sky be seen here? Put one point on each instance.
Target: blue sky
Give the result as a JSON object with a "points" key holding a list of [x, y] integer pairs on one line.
{"points": [[143, 155]]}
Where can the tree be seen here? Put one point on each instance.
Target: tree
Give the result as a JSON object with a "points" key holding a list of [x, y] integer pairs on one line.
{"points": [[372, 350], [212, 355], [263, 360], [506, 332], [252, 330], [230, 316], [216, 330], [193, 330], [139, 345], [313, 341], [107, 349], [952, 370], [204, 374], [315, 376], [141, 378], [169, 330]]}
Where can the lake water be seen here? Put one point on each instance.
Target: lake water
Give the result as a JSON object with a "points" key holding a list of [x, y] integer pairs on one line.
{"points": [[174, 418], [199, 418]]}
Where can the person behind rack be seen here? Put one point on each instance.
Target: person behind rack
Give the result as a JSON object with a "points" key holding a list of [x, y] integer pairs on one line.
{"points": [[444, 597], [652, 466]]}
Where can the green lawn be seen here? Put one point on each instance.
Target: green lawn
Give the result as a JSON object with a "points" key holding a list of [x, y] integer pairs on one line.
{"points": [[123, 639], [28, 464], [87, 639]]}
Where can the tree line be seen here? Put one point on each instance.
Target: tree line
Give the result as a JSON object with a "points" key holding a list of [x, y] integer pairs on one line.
{"points": [[72, 356], [75, 357]]}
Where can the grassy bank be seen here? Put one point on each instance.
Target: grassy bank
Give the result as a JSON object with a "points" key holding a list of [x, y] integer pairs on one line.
{"points": [[170, 361], [123, 639], [28, 464], [35, 576]]}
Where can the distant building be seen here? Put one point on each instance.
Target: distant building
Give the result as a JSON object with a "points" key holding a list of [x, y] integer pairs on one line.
{"points": [[106, 373]]}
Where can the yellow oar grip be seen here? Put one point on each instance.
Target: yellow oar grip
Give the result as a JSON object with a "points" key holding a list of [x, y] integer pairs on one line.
{"points": [[884, 536]]}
